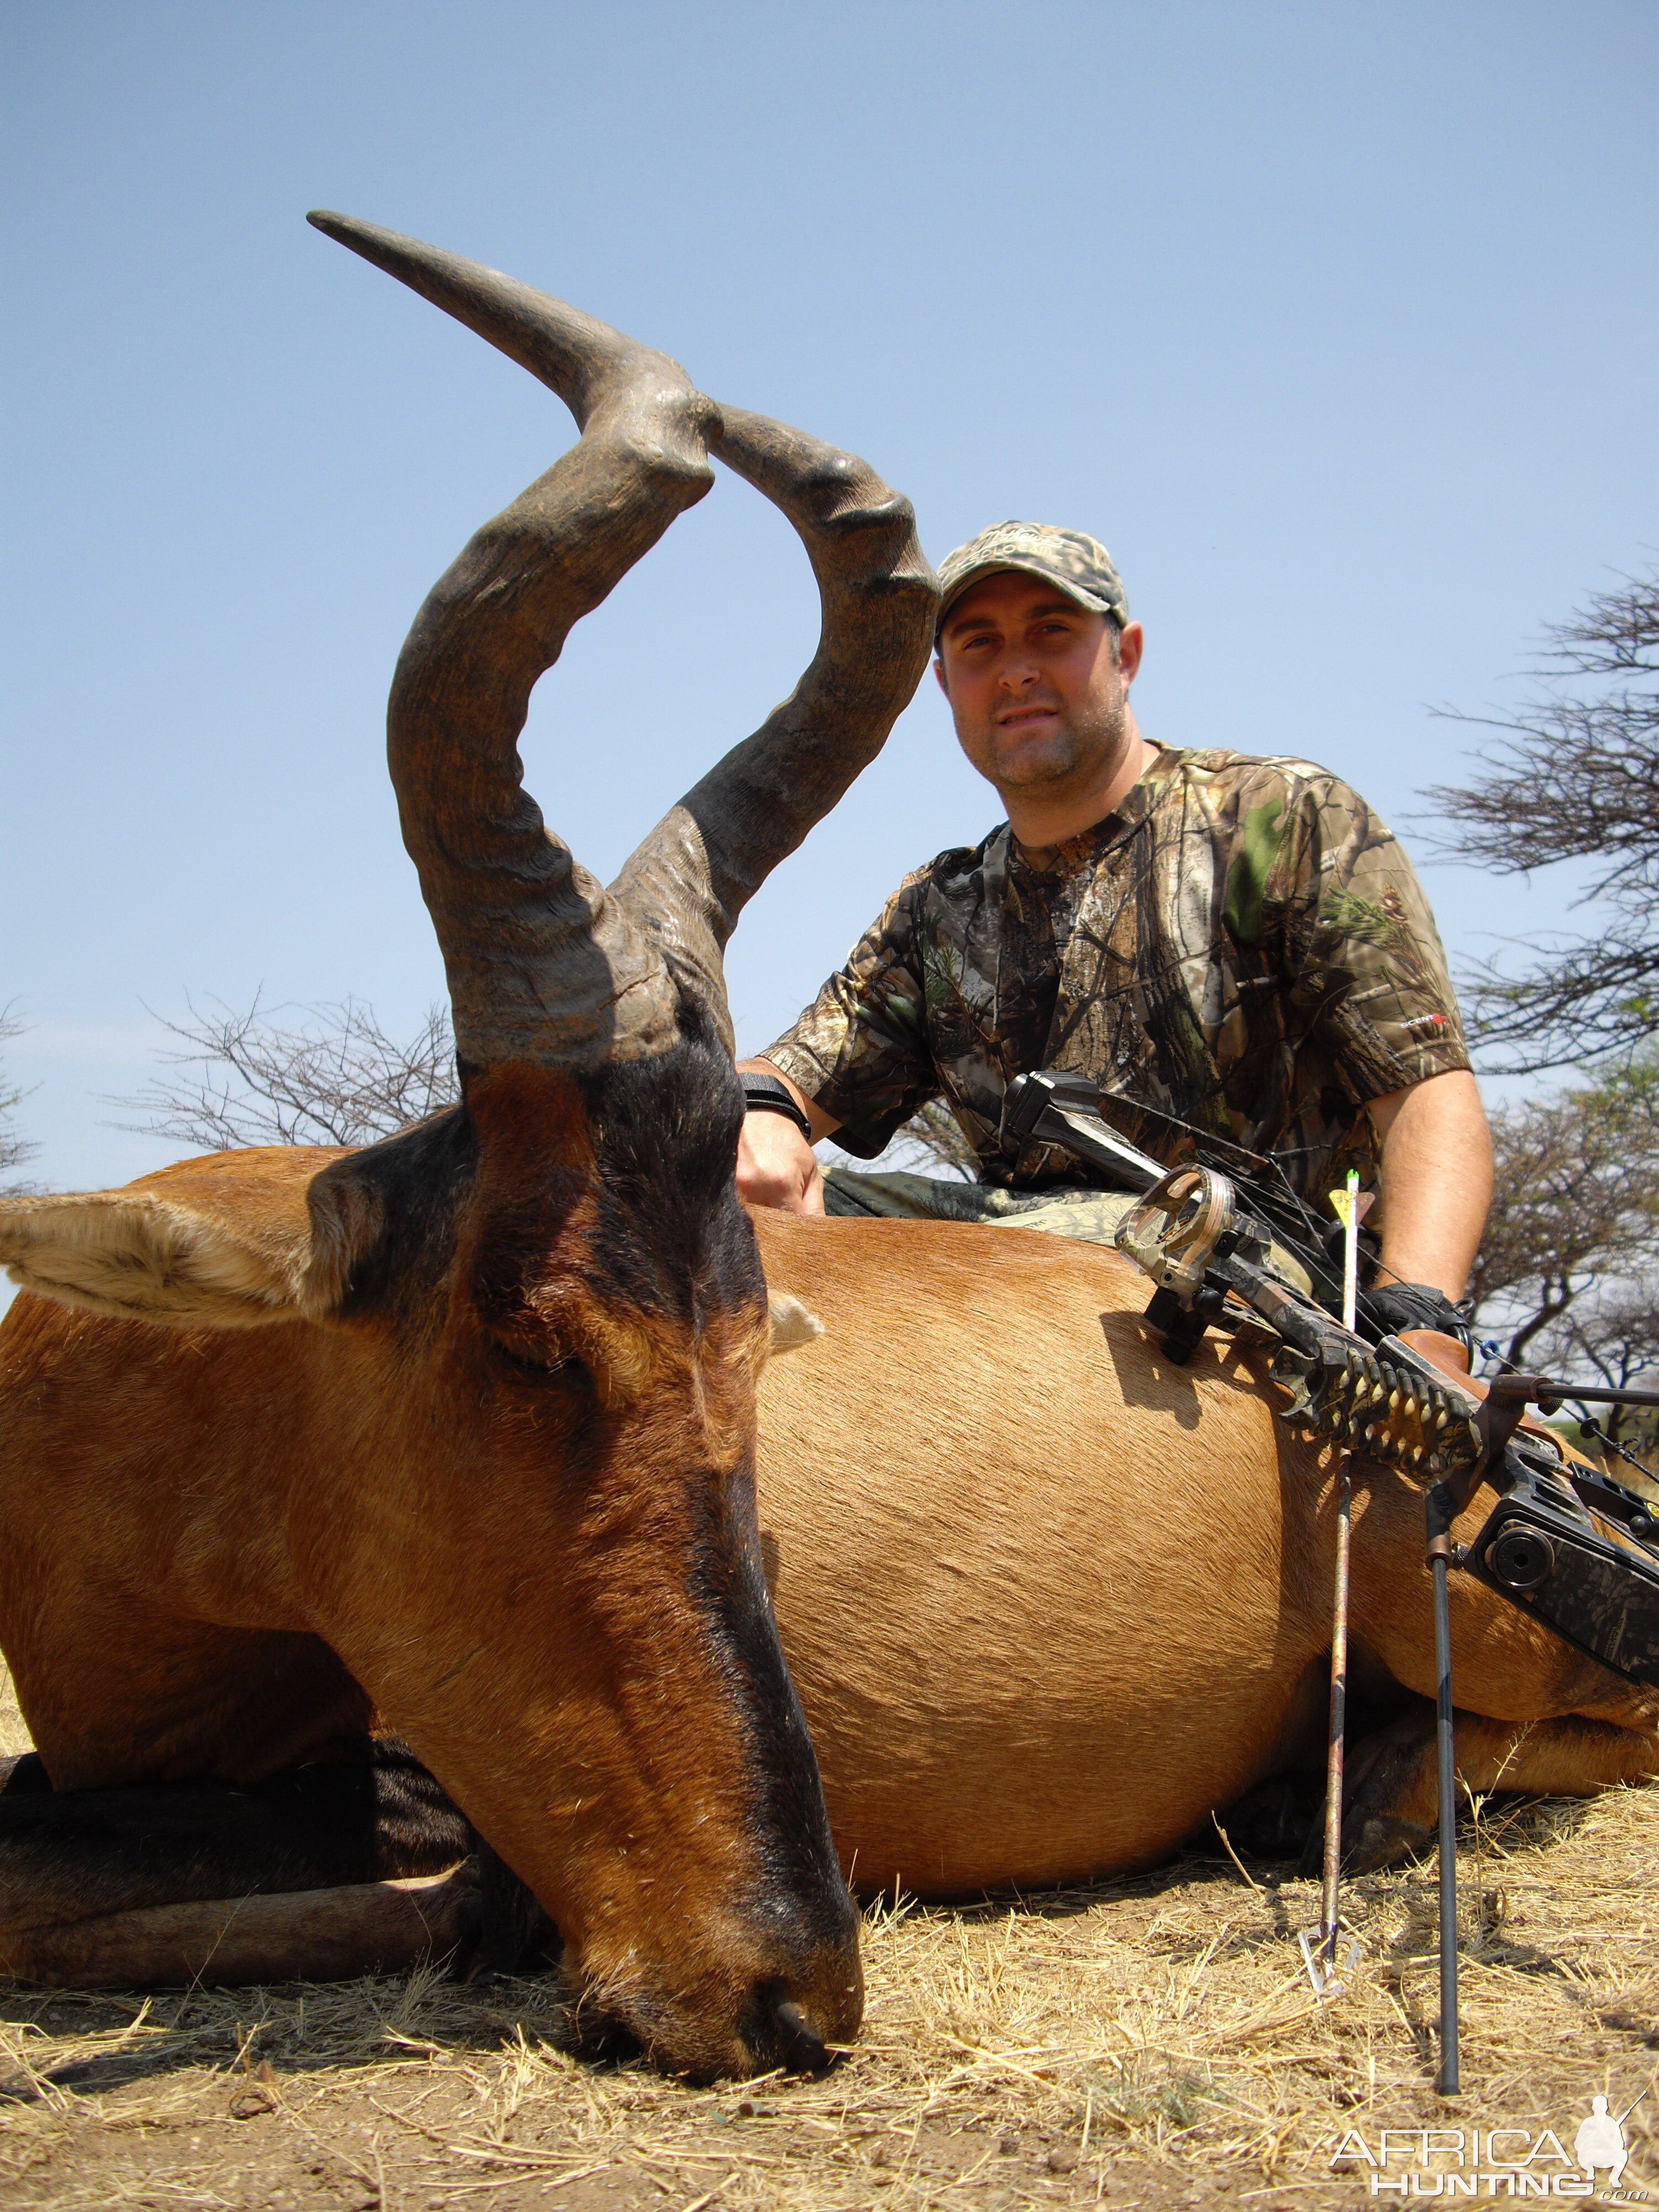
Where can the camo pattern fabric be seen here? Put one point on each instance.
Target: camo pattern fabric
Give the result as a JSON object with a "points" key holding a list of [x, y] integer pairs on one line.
{"points": [[1091, 1217], [1241, 945], [1080, 565], [1094, 1217]]}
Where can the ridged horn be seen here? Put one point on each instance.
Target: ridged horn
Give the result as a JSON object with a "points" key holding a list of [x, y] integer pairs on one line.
{"points": [[538, 968], [691, 878], [543, 963]]}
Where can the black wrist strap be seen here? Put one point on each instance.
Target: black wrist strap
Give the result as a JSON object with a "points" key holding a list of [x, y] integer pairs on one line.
{"points": [[1417, 1305], [768, 1094]]}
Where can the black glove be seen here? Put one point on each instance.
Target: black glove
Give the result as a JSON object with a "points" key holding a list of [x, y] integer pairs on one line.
{"points": [[1397, 1307]]}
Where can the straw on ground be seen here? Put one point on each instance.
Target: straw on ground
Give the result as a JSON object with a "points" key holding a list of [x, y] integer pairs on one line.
{"points": [[1150, 2042]]}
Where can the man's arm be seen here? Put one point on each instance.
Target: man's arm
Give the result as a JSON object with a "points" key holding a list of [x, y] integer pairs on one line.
{"points": [[776, 1166], [1392, 1028], [862, 1045], [1436, 1183]]}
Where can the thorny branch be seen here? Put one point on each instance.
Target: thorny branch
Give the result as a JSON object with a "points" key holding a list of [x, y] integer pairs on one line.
{"points": [[1568, 1272], [337, 1079], [1575, 776], [14, 1149]]}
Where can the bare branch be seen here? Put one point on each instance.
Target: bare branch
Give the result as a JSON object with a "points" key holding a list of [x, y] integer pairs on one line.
{"points": [[14, 1149], [1617, 633], [1575, 1217], [1577, 778], [935, 1139], [1589, 998], [929, 1142], [338, 1079]]}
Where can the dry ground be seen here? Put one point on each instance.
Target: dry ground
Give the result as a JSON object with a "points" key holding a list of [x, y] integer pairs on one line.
{"points": [[1153, 2042]]}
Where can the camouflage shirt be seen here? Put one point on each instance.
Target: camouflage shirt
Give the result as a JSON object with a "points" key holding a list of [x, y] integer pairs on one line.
{"points": [[1241, 945]]}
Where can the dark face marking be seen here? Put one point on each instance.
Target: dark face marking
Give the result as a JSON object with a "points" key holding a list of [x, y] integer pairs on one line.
{"points": [[675, 1245], [565, 1267]]}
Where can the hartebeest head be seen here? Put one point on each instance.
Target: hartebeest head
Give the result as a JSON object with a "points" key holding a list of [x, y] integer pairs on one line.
{"points": [[524, 1515]]}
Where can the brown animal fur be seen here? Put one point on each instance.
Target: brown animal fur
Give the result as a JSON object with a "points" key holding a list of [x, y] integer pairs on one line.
{"points": [[229, 1548], [1048, 1598]]}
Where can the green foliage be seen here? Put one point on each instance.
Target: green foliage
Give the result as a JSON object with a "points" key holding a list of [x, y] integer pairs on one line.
{"points": [[1148, 2093], [1568, 1272]]}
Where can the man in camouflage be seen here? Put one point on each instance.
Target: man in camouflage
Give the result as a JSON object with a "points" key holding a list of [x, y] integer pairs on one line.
{"points": [[1234, 941]]}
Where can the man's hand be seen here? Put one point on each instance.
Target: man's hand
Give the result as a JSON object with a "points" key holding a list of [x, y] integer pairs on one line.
{"points": [[777, 1167]]}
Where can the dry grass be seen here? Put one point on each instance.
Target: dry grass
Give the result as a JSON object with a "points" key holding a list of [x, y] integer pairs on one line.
{"points": [[13, 1736], [1154, 2042]]}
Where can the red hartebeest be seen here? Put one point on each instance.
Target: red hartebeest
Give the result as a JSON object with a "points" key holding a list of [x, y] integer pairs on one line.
{"points": [[494, 1488], [1047, 1598]]}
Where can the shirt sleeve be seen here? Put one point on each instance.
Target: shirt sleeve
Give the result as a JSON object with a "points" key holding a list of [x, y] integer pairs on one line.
{"points": [[1368, 972], [859, 1051]]}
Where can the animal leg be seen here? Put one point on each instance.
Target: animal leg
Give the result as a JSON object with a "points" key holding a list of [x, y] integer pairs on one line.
{"points": [[313, 1934], [109, 1862], [1393, 1799], [1275, 1818]]}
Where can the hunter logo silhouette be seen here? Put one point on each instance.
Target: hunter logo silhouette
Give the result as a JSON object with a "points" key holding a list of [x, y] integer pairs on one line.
{"points": [[1599, 2142]]}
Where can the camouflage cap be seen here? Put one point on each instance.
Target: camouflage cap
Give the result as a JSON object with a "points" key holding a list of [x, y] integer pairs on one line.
{"points": [[1081, 567]]}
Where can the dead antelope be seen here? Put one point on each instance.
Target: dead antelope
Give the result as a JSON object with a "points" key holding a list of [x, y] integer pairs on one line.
{"points": [[1048, 1598], [460, 1444]]}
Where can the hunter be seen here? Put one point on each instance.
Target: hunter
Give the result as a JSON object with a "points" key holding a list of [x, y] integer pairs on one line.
{"points": [[1234, 941]]}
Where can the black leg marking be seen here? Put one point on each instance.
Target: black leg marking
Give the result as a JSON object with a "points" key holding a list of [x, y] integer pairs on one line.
{"points": [[70, 1855], [515, 1936], [1276, 1819]]}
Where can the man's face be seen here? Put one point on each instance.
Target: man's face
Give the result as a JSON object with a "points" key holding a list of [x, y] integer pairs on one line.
{"points": [[1033, 684]]}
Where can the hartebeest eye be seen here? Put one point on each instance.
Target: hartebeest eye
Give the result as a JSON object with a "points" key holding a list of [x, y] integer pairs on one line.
{"points": [[546, 1363]]}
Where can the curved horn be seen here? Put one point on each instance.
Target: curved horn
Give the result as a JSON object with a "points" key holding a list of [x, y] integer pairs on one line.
{"points": [[691, 878], [543, 963], [537, 968]]}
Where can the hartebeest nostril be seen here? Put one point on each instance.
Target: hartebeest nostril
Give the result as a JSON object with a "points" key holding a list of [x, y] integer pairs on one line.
{"points": [[779, 2031]]}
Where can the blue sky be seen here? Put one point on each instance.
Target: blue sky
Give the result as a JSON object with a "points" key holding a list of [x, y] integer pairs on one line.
{"points": [[1337, 323]]}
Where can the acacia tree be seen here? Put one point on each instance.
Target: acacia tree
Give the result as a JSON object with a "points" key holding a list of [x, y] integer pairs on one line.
{"points": [[1571, 1248], [335, 1077], [14, 1149], [1568, 1272], [1575, 776]]}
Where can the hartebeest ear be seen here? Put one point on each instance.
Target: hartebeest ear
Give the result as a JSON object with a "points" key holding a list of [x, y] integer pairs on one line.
{"points": [[222, 1242], [242, 1240], [792, 1324], [238, 1240]]}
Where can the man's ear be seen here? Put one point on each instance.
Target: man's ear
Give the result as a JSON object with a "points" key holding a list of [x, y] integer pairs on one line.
{"points": [[239, 1240], [1130, 644], [939, 675]]}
